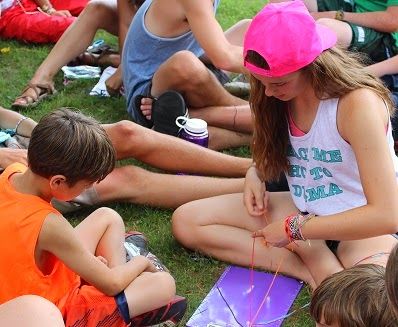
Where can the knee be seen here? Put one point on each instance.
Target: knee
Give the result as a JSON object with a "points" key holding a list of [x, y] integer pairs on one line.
{"points": [[99, 9], [126, 136], [184, 227], [187, 68], [34, 304], [167, 285], [109, 217]]}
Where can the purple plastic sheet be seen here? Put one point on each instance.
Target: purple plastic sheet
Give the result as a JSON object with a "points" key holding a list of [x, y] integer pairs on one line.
{"points": [[228, 302]]}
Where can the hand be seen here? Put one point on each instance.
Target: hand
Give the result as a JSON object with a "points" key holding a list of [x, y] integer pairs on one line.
{"points": [[255, 196], [102, 259], [274, 234], [114, 83], [62, 13], [9, 156]]}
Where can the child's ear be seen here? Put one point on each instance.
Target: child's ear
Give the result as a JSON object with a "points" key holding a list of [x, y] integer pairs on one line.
{"points": [[57, 181]]}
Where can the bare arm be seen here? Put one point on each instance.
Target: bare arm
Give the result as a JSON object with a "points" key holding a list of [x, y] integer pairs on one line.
{"points": [[385, 67], [209, 34], [382, 21], [57, 236], [10, 119], [362, 119], [126, 11]]}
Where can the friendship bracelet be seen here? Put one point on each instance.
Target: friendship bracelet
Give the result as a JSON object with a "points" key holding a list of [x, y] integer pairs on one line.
{"points": [[294, 224], [304, 220], [19, 123]]}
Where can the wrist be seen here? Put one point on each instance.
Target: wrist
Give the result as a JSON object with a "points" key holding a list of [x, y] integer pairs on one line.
{"points": [[47, 8], [339, 15]]}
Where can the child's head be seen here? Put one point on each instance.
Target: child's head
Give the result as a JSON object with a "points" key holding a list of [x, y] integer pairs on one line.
{"points": [[287, 38], [354, 297], [392, 279], [288, 55], [70, 144]]}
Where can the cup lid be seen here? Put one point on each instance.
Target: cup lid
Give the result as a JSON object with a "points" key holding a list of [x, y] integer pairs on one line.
{"points": [[196, 125]]}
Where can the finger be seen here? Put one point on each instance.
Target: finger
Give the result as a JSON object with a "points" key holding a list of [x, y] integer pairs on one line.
{"points": [[259, 198], [257, 233], [266, 199]]}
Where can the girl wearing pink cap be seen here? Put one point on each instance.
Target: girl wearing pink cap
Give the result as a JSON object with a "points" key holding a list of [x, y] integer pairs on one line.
{"points": [[321, 119]]}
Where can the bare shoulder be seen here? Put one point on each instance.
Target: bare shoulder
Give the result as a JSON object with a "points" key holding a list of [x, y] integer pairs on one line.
{"points": [[360, 108], [54, 232], [360, 101]]}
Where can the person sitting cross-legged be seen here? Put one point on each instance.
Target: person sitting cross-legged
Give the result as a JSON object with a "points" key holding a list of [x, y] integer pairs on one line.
{"points": [[43, 254]]}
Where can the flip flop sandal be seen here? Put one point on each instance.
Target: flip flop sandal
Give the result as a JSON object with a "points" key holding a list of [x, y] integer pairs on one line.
{"points": [[93, 58], [165, 111], [141, 119], [42, 91]]}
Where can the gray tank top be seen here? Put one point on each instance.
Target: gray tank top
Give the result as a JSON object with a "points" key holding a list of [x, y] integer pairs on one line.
{"points": [[144, 52]]}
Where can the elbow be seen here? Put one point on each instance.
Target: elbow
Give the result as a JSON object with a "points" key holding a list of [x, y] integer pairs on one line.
{"points": [[226, 61], [112, 288], [392, 220]]}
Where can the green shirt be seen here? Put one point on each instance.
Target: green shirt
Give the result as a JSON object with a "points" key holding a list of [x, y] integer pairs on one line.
{"points": [[377, 5]]}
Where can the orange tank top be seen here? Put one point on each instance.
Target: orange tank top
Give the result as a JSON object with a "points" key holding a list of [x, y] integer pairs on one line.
{"points": [[21, 219]]}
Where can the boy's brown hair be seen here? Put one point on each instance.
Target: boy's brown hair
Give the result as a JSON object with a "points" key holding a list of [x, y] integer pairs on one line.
{"points": [[392, 279], [68, 143], [354, 297]]}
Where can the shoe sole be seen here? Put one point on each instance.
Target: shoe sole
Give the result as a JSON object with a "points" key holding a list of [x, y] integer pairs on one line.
{"points": [[165, 110]]}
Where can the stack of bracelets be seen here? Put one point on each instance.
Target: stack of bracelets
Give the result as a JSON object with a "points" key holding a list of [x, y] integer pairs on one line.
{"points": [[293, 225]]}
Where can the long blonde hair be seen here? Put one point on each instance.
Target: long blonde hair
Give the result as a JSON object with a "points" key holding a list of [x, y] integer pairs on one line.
{"points": [[333, 74]]}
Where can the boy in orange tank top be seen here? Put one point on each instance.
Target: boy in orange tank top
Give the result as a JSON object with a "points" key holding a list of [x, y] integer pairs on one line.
{"points": [[43, 254]]}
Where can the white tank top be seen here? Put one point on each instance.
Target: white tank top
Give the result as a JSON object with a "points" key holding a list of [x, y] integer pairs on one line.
{"points": [[323, 173]]}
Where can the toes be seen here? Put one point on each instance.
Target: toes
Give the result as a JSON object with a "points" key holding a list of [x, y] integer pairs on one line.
{"points": [[146, 101]]}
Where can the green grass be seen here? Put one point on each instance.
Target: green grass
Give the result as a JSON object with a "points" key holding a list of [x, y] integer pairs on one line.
{"points": [[194, 274]]}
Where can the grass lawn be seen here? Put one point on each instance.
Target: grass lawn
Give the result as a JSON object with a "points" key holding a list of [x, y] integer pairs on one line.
{"points": [[194, 274]]}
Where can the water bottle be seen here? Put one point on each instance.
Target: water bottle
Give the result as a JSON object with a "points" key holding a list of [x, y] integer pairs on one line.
{"points": [[193, 130]]}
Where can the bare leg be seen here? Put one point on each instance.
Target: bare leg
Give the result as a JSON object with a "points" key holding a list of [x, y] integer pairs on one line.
{"points": [[137, 185], [234, 118], [342, 30], [223, 138], [170, 153], [98, 14], [102, 232], [201, 91], [30, 310], [368, 250], [149, 291], [321, 262], [236, 33], [221, 227]]}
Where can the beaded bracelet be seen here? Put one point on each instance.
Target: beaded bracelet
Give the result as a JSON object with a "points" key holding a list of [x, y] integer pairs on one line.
{"points": [[19, 123], [294, 224]]}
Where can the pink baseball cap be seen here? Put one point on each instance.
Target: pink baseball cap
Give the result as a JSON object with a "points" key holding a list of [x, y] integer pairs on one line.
{"points": [[287, 37]]}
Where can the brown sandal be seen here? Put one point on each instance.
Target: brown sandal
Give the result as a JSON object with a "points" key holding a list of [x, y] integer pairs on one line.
{"points": [[42, 90], [104, 58]]}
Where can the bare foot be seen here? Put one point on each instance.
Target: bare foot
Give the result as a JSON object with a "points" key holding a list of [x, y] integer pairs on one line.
{"points": [[146, 107], [33, 93]]}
